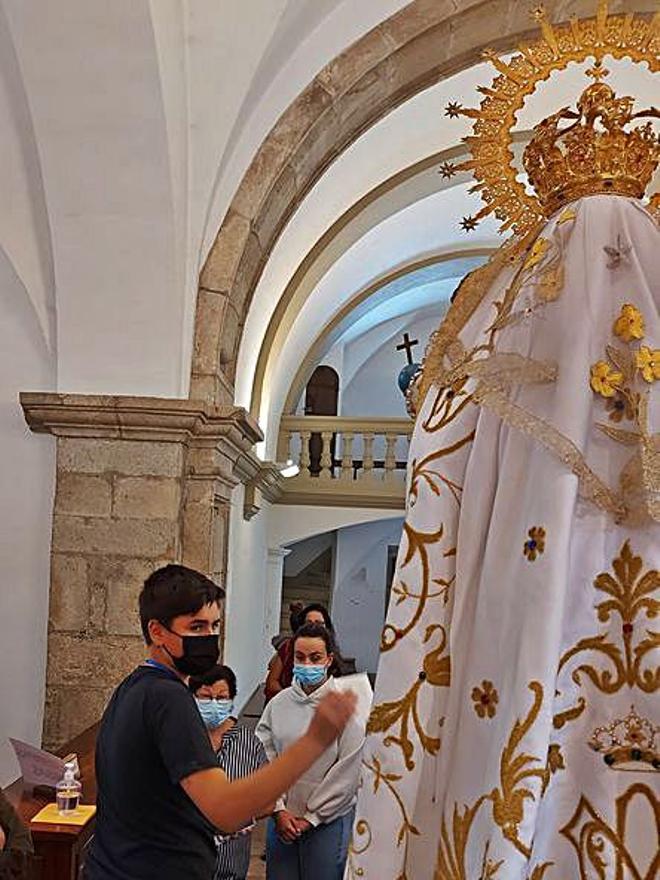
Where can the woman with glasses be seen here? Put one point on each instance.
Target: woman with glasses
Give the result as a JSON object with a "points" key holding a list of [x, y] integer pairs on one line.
{"points": [[239, 753]]}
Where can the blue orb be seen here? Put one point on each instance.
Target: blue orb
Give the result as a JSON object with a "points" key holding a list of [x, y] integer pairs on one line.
{"points": [[406, 376]]}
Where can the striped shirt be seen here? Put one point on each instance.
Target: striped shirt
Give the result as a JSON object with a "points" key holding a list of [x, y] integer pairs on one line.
{"points": [[240, 754]]}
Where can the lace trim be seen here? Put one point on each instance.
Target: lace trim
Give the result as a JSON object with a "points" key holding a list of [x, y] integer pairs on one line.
{"points": [[591, 486], [650, 454], [468, 297]]}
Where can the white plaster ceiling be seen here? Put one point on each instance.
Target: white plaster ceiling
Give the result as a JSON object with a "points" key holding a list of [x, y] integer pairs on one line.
{"points": [[125, 128]]}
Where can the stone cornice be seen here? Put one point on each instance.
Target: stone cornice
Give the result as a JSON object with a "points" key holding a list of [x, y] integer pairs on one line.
{"points": [[262, 480], [157, 419]]}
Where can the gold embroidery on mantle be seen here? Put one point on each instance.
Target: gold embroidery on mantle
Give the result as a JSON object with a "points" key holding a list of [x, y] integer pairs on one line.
{"points": [[535, 543], [591, 486], [436, 671], [417, 544], [402, 590], [639, 481], [469, 295], [629, 591], [420, 471], [508, 801], [450, 863], [602, 849], [406, 829], [572, 714], [538, 872], [485, 699], [362, 829]]}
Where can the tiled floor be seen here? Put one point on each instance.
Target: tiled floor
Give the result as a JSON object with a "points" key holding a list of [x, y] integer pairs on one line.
{"points": [[257, 870], [257, 865]]}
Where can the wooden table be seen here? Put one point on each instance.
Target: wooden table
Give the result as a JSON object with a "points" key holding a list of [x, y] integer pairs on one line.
{"points": [[60, 848]]}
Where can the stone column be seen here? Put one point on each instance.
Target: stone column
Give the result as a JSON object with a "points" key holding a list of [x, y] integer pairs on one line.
{"points": [[273, 594], [140, 482]]}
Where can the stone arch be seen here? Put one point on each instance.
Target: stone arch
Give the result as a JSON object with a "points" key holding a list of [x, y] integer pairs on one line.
{"points": [[423, 43]]}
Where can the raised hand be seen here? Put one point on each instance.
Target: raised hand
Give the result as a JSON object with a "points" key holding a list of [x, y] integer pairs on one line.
{"points": [[332, 715]]}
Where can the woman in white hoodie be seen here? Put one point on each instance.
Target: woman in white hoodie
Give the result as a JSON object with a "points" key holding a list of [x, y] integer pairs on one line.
{"points": [[310, 830]]}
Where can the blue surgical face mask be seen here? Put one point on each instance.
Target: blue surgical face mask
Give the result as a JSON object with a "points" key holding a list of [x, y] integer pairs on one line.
{"points": [[214, 712], [309, 676]]}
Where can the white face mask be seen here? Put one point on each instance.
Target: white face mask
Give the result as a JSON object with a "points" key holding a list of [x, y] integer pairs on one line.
{"points": [[214, 712]]}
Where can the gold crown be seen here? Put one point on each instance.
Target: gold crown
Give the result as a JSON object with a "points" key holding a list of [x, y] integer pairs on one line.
{"points": [[578, 160], [628, 742], [593, 154]]}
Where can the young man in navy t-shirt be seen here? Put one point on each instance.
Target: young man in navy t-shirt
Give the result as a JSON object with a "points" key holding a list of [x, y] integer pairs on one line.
{"points": [[160, 792]]}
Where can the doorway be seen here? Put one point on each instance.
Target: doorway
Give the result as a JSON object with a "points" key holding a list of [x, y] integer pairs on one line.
{"points": [[321, 399]]}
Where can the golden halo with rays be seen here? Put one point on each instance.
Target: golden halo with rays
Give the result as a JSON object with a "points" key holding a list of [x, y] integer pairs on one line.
{"points": [[619, 36]]}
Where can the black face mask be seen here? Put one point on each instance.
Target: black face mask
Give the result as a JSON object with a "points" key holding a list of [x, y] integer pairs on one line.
{"points": [[200, 653]]}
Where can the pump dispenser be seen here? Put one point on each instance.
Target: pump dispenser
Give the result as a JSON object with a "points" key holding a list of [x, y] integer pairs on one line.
{"points": [[68, 791]]}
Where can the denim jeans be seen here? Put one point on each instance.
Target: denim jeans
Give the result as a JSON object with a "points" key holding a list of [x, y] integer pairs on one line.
{"points": [[320, 854]]}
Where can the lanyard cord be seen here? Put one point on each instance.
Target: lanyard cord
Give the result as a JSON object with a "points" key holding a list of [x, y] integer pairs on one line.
{"points": [[156, 665]]}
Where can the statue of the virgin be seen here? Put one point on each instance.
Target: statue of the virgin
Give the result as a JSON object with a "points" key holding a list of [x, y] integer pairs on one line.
{"points": [[515, 729]]}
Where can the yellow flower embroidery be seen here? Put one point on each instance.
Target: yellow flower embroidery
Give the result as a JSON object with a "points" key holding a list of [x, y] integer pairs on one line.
{"points": [[630, 323], [604, 380], [485, 699], [535, 543], [567, 215], [537, 253], [648, 361]]}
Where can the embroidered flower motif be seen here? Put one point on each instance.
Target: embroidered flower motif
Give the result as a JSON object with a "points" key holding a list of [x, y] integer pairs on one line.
{"points": [[630, 323], [617, 255], [620, 407], [648, 361], [538, 251], [604, 380], [566, 215], [555, 758], [535, 543], [485, 699]]}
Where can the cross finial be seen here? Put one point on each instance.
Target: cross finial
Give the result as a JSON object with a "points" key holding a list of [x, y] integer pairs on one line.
{"points": [[597, 72], [407, 345]]}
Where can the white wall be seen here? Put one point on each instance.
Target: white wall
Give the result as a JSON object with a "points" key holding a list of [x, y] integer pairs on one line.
{"points": [[27, 361], [27, 468], [358, 598], [373, 389], [295, 522], [247, 631]]}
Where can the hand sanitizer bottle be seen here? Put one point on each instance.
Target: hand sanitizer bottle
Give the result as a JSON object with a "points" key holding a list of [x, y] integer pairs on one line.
{"points": [[68, 791]]}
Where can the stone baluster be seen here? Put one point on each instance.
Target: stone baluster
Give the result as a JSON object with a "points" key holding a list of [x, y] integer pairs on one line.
{"points": [[368, 457], [390, 457], [326, 457], [305, 459], [347, 457], [287, 446]]}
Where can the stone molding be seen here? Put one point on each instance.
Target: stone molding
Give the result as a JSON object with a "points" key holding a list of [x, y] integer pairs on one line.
{"points": [[117, 417], [265, 481]]}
